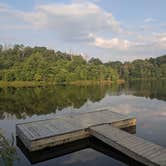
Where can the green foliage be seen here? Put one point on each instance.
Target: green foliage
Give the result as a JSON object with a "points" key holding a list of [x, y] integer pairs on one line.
{"points": [[95, 61], [40, 64], [7, 152], [141, 69]]}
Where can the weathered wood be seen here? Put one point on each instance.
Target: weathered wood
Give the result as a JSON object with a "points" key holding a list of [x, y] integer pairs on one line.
{"points": [[137, 148], [45, 133], [102, 124]]}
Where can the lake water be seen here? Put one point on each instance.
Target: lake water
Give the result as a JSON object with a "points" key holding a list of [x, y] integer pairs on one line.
{"points": [[145, 100]]}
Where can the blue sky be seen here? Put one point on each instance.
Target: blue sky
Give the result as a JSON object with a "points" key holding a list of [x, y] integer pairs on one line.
{"points": [[107, 29]]}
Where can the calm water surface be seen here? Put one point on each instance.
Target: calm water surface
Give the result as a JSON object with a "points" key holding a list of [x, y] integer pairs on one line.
{"points": [[145, 100]]}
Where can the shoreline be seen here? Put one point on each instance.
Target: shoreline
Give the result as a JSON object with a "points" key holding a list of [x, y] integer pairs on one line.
{"points": [[18, 84]]}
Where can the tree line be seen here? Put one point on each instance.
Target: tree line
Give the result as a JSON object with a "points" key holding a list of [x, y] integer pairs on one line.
{"points": [[21, 63], [153, 68], [41, 64]]}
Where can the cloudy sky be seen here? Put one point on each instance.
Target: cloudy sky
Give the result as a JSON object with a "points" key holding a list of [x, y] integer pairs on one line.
{"points": [[107, 29]]}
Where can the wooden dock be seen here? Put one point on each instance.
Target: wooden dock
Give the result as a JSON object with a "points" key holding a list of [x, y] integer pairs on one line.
{"points": [[135, 147], [44, 133], [101, 124]]}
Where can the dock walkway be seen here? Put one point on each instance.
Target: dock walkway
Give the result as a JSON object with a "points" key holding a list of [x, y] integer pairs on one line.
{"points": [[137, 148], [101, 124]]}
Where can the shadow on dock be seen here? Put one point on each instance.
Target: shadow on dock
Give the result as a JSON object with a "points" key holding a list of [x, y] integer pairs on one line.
{"points": [[91, 142]]}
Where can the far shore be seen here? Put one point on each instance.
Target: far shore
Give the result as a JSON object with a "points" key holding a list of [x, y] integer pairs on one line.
{"points": [[43, 83]]}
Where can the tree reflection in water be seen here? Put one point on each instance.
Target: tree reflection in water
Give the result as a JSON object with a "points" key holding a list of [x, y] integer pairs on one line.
{"points": [[23, 102]]}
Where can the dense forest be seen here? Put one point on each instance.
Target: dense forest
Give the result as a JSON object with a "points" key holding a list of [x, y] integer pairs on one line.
{"points": [[41, 64], [153, 68], [21, 63]]}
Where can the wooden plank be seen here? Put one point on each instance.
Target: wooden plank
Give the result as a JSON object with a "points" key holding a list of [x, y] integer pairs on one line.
{"points": [[137, 148], [101, 124], [57, 140], [44, 130]]}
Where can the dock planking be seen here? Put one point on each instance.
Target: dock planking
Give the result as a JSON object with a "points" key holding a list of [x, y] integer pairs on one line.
{"points": [[104, 124], [46, 133], [137, 148]]}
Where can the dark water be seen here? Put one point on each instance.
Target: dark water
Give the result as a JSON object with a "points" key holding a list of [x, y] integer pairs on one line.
{"points": [[145, 100]]}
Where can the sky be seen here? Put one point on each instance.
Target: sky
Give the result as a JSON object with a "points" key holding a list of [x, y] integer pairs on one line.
{"points": [[107, 29]]}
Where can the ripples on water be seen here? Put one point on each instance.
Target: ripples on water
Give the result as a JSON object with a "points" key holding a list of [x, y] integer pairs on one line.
{"points": [[145, 100]]}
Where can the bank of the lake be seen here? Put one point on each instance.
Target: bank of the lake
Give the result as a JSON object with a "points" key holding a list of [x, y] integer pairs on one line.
{"points": [[44, 83]]}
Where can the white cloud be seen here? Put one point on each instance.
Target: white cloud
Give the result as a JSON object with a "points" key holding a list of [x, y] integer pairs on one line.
{"points": [[3, 7], [72, 21], [87, 25], [149, 20], [159, 40], [114, 43]]}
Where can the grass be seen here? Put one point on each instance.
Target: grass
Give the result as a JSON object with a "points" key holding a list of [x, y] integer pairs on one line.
{"points": [[147, 79], [7, 152], [24, 83], [42, 83], [92, 82]]}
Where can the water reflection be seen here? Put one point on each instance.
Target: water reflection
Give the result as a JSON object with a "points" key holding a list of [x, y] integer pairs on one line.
{"points": [[155, 89], [22, 102], [29, 101]]}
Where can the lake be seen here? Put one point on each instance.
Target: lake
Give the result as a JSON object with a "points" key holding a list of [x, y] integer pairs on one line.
{"points": [[146, 100]]}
